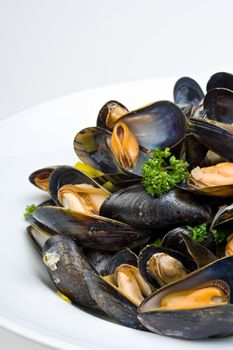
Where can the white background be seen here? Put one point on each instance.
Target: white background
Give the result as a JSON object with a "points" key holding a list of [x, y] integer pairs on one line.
{"points": [[50, 48]]}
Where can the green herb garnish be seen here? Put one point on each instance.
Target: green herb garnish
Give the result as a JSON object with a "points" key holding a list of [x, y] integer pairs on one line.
{"points": [[163, 171], [220, 234], [198, 233], [157, 242], [29, 210]]}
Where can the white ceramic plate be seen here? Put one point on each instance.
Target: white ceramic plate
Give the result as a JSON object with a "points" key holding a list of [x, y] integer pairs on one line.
{"points": [[29, 306]]}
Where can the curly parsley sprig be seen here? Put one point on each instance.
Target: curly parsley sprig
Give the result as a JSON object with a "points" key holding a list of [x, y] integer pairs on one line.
{"points": [[199, 233], [163, 171], [29, 210]]}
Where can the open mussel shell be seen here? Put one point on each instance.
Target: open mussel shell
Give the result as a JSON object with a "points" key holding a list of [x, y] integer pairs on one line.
{"points": [[134, 206], [220, 80], [187, 92], [124, 256], [63, 261], [161, 124], [67, 175], [216, 136], [90, 230], [193, 323], [110, 113], [172, 266], [221, 191], [40, 177], [218, 105], [92, 147], [179, 239]]}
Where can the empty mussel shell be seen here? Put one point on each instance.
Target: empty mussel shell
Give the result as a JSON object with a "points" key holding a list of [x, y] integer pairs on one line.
{"points": [[110, 113], [90, 230], [187, 92], [134, 206], [220, 80], [218, 105], [204, 308]]}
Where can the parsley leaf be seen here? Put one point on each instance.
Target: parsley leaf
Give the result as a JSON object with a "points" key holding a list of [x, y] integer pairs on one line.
{"points": [[163, 171], [29, 210]]}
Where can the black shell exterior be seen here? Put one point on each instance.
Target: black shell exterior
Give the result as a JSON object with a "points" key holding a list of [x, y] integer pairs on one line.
{"points": [[137, 208], [90, 231]]}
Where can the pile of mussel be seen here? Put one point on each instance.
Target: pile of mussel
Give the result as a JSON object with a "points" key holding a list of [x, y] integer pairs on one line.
{"points": [[96, 231]]}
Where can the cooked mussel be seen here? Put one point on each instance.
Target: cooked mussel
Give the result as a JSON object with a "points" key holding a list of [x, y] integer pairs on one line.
{"points": [[137, 208], [40, 177], [111, 153], [73, 189], [215, 180], [110, 113], [160, 266], [90, 230], [129, 282], [195, 307]]}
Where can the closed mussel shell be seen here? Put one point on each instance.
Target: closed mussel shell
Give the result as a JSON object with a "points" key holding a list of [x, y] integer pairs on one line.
{"points": [[90, 230], [137, 208], [65, 267], [193, 323]]}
